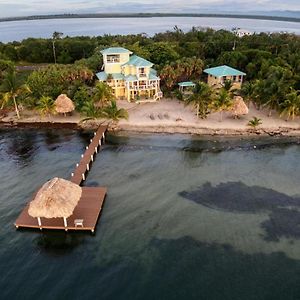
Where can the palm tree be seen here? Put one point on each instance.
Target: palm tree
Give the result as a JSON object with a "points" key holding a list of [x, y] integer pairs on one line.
{"points": [[90, 110], [291, 106], [45, 105], [103, 94], [112, 112], [11, 89], [201, 99], [254, 122], [222, 102], [55, 36], [247, 91]]}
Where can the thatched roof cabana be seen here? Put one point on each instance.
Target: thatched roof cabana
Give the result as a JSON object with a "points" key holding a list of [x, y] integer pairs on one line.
{"points": [[239, 107], [63, 104], [57, 198]]}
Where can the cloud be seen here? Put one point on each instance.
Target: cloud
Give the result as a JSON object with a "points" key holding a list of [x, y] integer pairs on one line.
{"points": [[30, 7]]}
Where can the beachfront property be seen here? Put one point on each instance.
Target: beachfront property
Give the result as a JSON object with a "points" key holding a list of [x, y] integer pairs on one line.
{"points": [[130, 76], [218, 75]]}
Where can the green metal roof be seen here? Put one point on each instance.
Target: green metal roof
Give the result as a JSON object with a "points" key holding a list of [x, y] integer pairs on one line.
{"points": [[223, 71], [153, 77], [131, 78], [153, 72], [102, 76], [138, 61], [115, 50], [186, 84]]}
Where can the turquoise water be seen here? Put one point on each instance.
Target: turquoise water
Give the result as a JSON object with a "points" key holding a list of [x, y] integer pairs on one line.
{"points": [[18, 30], [185, 218]]}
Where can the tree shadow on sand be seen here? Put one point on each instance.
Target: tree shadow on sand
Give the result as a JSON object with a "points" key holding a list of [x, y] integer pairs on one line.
{"points": [[284, 214]]}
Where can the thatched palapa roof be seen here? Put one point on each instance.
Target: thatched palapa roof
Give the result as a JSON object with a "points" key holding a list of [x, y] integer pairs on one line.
{"points": [[63, 104], [57, 198], [239, 107]]}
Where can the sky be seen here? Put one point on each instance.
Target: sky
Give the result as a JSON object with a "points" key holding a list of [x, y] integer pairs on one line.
{"points": [[10, 8]]}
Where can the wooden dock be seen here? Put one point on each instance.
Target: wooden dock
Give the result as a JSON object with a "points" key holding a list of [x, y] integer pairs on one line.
{"points": [[83, 167], [88, 209], [90, 204]]}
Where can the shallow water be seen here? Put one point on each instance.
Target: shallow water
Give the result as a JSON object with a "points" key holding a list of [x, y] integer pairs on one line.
{"points": [[18, 30], [185, 218]]}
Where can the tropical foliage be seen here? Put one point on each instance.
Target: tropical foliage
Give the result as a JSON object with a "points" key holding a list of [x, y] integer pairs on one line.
{"points": [[271, 61]]}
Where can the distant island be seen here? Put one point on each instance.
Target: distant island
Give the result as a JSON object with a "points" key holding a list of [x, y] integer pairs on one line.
{"points": [[150, 15]]}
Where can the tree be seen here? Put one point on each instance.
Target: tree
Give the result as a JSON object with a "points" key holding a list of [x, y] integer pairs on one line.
{"points": [[55, 36], [201, 99], [112, 112], [222, 102], [45, 105], [81, 96], [103, 93], [291, 106], [254, 122], [11, 89], [90, 110]]}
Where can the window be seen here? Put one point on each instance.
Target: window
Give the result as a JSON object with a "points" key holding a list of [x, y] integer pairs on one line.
{"points": [[113, 58], [142, 72]]}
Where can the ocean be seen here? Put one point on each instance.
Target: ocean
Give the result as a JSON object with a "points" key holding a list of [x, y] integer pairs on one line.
{"points": [[185, 217], [18, 30]]}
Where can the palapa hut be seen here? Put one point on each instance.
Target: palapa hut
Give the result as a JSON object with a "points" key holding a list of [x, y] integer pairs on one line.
{"points": [[63, 104], [239, 107], [57, 198]]}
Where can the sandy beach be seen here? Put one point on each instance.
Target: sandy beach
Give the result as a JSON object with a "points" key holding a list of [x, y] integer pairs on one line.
{"points": [[167, 116]]}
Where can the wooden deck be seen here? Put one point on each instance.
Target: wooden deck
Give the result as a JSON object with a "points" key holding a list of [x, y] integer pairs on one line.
{"points": [[90, 204], [88, 209], [87, 158]]}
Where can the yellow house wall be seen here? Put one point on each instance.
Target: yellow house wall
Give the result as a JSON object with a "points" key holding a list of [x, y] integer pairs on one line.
{"points": [[111, 68], [119, 92], [211, 80]]}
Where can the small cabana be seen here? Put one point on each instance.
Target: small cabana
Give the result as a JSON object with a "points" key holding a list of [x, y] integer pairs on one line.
{"points": [[57, 198], [218, 75], [63, 104], [186, 86], [239, 107]]}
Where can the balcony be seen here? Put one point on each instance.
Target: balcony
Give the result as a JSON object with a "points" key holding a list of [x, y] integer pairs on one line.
{"points": [[141, 87], [113, 59]]}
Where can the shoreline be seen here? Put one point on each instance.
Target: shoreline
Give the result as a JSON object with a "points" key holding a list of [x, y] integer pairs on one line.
{"points": [[280, 18], [155, 129], [168, 116]]}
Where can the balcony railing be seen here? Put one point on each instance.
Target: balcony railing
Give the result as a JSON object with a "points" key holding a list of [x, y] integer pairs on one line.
{"points": [[141, 87]]}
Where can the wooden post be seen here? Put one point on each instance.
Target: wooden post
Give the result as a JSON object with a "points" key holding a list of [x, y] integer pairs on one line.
{"points": [[95, 133], [91, 140], [87, 147], [96, 149], [72, 174], [65, 223], [103, 136], [39, 221], [83, 177], [81, 155], [77, 165], [100, 142], [92, 157], [88, 167]]}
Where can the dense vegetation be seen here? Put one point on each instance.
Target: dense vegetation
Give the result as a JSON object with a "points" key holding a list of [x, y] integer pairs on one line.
{"points": [[271, 61]]}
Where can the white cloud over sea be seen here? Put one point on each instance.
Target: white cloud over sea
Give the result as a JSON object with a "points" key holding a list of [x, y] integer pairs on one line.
{"points": [[10, 8]]}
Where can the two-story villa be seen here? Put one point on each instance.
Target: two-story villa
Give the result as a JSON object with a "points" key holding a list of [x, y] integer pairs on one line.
{"points": [[131, 77], [218, 75]]}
